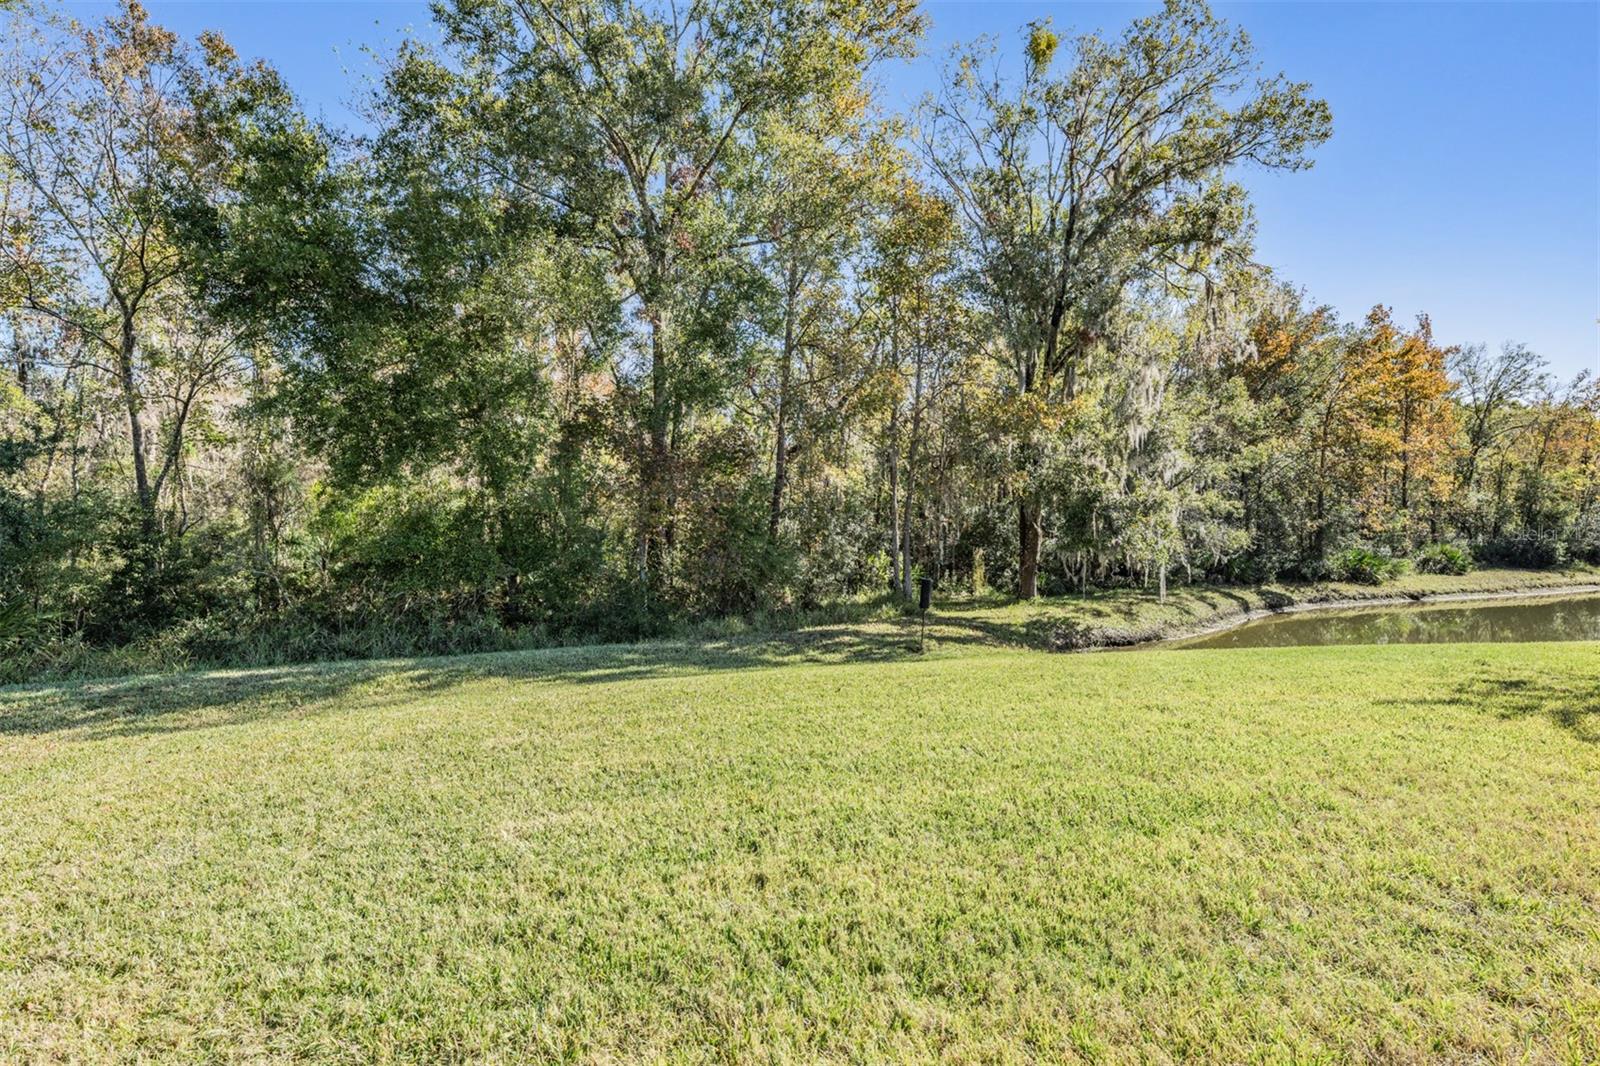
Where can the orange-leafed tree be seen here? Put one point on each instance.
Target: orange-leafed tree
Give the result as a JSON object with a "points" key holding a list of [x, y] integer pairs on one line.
{"points": [[1409, 419]]}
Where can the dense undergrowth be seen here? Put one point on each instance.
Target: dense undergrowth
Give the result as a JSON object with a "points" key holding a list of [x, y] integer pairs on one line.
{"points": [[1096, 618]]}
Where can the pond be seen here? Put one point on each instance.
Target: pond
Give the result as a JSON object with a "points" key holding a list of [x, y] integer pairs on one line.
{"points": [[1535, 619]]}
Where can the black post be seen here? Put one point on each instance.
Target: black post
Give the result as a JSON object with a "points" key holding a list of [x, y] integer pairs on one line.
{"points": [[924, 601]]}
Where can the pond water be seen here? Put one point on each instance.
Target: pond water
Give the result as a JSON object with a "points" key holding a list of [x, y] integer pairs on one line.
{"points": [[1536, 619]]}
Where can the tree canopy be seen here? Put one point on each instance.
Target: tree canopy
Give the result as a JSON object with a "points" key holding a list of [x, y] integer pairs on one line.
{"points": [[621, 313]]}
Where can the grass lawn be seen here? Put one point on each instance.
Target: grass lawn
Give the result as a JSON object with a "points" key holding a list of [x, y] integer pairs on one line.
{"points": [[824, 852]]}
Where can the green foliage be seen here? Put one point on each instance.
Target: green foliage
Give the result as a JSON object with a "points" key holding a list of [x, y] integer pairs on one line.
{"points": [[18, 621], [1166, 111], [1365, 566], [1041, 49], [403, 545], [628, 318], [1443, 559], [1583, 537], [835, 548], [1525, 548], [731, 565]]}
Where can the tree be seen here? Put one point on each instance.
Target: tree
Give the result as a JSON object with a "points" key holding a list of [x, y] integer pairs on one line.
{"points": [[925, 329], [1291, 371], [818, 173], [1558, 449], [631, 124], [619, 313], [93, 134], [1489, 390], [1077, 186], [1407, 420]]}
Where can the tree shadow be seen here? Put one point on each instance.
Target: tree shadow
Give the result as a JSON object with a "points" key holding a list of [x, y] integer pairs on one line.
{"points": [[1570, 701], [164, 703], [1573, 703], [90, 710]]}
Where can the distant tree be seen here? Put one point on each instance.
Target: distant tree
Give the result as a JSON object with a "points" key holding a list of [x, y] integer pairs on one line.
{"points": [[95, 133], [632, 125], [1079, 185], [818, 172], [926, 331], [1557, 454], [1408, 420], [1492, 391]]}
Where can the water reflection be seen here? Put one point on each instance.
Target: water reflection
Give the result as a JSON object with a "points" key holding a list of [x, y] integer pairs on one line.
{"points": [[1543, 619]]}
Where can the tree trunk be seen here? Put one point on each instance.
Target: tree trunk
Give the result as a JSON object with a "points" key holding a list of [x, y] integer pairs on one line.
{"points": [[1405, 479], [1029, 510], [780, 456], [653, 506], [1029, 537], [893, 457], [130, 398], [911, 475], [1319, 528], [897, 566]]}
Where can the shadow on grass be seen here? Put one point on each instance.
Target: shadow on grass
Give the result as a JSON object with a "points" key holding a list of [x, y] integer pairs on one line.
{"points": [[1571, 702], [167, 703]]}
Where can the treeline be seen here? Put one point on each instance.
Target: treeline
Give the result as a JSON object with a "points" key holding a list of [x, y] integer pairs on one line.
{"points": [[621, 314]]}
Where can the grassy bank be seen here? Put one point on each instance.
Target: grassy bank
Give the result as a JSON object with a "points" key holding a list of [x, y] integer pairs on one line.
{"points": [[1121, 617], [737, 854], [1104, 618]]}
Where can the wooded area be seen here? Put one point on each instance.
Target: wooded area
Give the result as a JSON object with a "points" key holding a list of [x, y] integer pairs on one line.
{"points": [[619, 314]]}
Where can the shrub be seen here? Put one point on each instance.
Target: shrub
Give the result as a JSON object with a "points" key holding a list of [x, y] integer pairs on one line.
{"points": [[1583, 540], [1525, 549], [1365, 566], [1443, 559], [17, 623]]}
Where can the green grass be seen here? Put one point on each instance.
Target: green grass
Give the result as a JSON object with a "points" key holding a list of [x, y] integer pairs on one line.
{"points": [[824, 850]]}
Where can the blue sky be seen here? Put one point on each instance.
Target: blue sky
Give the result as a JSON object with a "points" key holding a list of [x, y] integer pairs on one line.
{"points": [[1463, 177]]}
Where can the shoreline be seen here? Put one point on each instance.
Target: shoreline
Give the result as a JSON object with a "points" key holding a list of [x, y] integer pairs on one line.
{"points": [[1123, 619], [1223, 624]]}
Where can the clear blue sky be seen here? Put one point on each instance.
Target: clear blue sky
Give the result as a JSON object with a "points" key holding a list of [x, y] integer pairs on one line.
{"points": [[1463, 177]]}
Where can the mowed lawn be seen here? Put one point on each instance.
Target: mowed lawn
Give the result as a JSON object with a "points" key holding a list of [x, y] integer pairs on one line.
{"points": [[1378, 854]]}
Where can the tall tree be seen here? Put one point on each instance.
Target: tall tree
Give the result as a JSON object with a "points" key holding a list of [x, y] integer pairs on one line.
{"points": [[1408, 421], [928, 329], [93, 133], [1079, 185], [1491, 390], [817, 173], [630, 123], [97, 155]]}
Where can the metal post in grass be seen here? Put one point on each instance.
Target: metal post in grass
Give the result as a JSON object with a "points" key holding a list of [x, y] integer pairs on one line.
{"points": [[924, 601]]}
